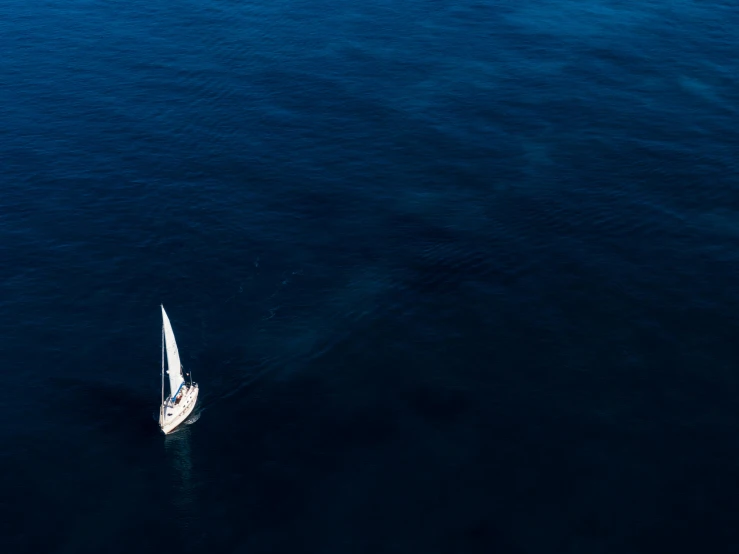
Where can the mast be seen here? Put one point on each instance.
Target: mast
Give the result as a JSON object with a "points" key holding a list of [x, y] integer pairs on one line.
{"points": [[174, 365], [162, 367]]}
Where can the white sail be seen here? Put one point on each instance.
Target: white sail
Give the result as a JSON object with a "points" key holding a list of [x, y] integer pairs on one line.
{"points": [[173, 357]]}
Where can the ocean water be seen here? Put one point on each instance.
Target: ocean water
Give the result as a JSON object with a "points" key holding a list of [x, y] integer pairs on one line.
{"points": [[453, 277]]}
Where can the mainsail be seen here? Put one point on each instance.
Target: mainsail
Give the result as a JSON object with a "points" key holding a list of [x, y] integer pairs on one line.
{"points": [[173, 358]]}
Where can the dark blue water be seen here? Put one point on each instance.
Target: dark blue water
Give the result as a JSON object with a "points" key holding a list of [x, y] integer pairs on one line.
{"points": [[452, 276]]}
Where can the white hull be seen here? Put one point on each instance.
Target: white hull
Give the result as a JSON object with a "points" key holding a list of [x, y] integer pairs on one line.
{"points": [[171, 415]]}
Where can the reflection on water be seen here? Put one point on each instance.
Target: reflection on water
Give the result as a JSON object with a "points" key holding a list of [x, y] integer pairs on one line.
{"points": [[178, 454]]}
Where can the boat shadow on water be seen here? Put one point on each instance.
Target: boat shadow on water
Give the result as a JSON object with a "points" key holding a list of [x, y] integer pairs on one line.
{"points": [[105, 408]]}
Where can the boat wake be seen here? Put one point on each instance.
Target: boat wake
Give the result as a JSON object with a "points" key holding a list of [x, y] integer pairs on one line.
{"points": [[192, 419]]}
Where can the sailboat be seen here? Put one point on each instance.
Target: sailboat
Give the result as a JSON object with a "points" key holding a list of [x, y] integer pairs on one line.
{"points": [[182, 394]]}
